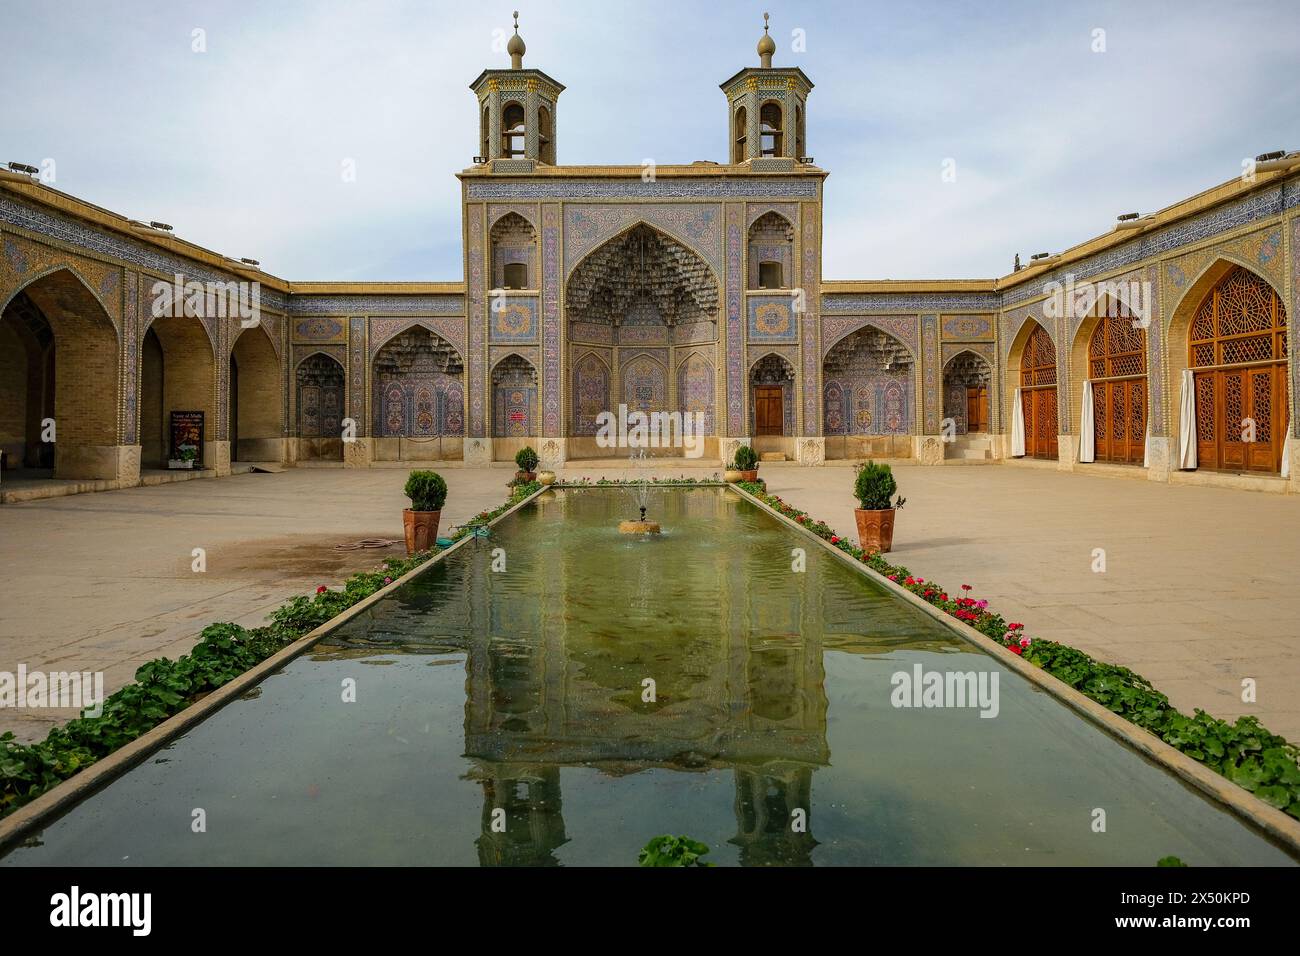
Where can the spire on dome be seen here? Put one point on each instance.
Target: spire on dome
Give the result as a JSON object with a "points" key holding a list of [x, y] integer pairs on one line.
{"points": [[516, 47], [766, 47]]}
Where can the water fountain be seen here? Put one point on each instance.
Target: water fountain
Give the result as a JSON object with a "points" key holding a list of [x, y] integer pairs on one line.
{"points": [[640, 488]]}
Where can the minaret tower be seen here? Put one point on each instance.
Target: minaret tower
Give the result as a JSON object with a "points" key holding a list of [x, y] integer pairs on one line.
{"points": [[516, 112], [767, 111]]}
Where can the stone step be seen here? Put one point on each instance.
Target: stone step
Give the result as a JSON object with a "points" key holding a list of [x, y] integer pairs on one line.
{"points": [[772, 456]]}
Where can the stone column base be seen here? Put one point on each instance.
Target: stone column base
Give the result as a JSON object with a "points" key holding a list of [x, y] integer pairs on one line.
{"points": [[553, 453], [927, 449], [1067, 452], [812, 451], [477, 452], [98, 462], [1293, 446], [216, 457], [1160, 455], [357, 453], [727, 447]]}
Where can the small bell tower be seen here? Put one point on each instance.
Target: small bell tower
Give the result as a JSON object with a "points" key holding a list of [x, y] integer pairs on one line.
{"points": [[767, 110], [516, 112]]}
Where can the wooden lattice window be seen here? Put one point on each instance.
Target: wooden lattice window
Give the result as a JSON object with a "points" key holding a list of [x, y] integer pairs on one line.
{"points": [[1243, 321], [1038, 360], [1117, 349]]}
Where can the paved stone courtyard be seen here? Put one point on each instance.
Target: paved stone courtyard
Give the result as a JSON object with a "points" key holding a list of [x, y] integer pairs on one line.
{"points": [[1198, 591]]}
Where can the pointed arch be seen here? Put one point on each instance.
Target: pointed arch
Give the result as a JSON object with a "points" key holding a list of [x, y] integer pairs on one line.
{"points": [[1230, 330], [67, 373], [1109, 349], [1031, 367], [320, 384], [75, 274], [516, 408], [418, 386], [667, 235], [591, 380], [255, 405]]}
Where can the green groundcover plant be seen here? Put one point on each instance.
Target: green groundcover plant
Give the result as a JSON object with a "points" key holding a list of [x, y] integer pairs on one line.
{"points": [[165, 687], [670, 850], [1244, 751]]}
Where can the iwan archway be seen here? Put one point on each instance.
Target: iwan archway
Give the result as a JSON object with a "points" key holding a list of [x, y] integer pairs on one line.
{"points": [[59, 381], [642, 323]]}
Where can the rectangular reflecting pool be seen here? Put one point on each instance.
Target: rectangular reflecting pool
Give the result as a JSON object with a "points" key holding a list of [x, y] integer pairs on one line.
{"points": [[603, 689]]}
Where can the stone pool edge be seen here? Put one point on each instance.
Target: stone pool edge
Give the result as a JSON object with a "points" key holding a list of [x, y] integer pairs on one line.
{"points": [[42, 811], [1272, 822]]}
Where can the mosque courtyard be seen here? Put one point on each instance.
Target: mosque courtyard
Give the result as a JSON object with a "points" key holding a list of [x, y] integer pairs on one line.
{"points": [[105, 581]]}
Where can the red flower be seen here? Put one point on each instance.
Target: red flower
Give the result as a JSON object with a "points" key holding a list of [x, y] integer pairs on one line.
{"points": [[943, 597], [322, 589], [801, 519], [835, 539], [1015, 627], [965, 587], [892, 577], [1015, 649]]}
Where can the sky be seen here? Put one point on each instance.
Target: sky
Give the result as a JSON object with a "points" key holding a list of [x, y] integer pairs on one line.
{"points": [[1051, 128]]}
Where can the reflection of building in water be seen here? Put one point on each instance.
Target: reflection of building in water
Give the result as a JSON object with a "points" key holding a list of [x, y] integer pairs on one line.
{"points": [[736, 689], [767, 802], [533, 822]]}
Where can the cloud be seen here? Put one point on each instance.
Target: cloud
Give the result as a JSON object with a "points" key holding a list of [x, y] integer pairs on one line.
{"points": [[243, 147]]}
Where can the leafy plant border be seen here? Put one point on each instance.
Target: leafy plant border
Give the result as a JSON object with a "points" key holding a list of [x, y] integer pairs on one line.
{"points": [[163, 687], [1244, 752]]}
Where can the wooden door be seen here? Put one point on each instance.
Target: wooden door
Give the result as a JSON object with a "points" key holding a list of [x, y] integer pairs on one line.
{"points": [[977, 408], [769, 410], [1039, 405], [1119, 418], [1229, 402]]}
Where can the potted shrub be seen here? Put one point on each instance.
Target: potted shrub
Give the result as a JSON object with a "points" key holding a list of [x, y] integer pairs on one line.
{"points": [[747, 463], [874, 489], [527, 460], [732, 474], [428, 493]]}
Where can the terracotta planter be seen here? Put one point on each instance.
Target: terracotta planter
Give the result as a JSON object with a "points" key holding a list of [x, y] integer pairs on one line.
{"points": [[731, 475], [526, 475], [546, 477], [421, 529], [875, 529], [749, 475]]}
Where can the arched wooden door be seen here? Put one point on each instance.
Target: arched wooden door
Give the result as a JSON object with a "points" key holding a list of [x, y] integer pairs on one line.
{"points": [[1237, 351], [1038, 394], [1117, 366]]}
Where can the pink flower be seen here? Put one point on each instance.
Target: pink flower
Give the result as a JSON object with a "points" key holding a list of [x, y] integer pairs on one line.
{"points": [[892, 577], [388, 580], [981, 604], [1024, 642]]}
